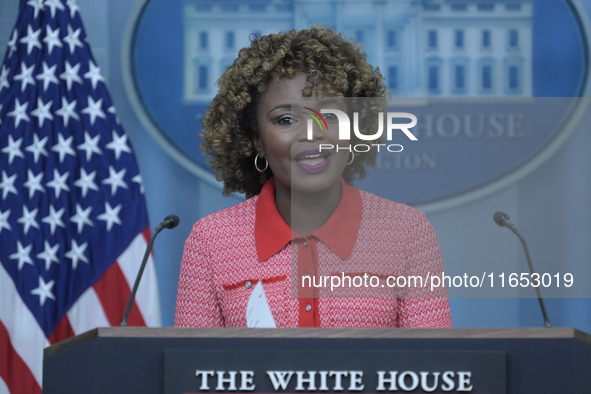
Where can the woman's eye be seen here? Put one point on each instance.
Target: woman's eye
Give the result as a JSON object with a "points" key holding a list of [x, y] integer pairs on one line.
{"points": [[330, 118], [285, 121]]}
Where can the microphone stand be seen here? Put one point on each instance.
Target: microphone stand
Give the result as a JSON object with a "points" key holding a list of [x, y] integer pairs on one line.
{"points": [[502, 219], [531, 270], [170, 221]]}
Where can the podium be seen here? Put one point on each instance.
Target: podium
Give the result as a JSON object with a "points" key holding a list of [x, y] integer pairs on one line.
{"points": [[231, 360]]}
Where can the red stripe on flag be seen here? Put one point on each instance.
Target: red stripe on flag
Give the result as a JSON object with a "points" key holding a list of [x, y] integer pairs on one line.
{"points": [[14, 371], [62, 331], [113, 292], [146, 234]]}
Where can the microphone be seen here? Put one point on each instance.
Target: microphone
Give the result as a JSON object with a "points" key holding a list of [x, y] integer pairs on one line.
{"points": [[503, 220], [171, 221]]}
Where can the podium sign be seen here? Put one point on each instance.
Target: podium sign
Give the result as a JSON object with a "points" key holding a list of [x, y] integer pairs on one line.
{"points": [[333, 371], [324, 361]]}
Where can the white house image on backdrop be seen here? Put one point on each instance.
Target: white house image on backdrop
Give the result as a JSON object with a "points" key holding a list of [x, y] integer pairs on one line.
{"points": [[447, 48]]}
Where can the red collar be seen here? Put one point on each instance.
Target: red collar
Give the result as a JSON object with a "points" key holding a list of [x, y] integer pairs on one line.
{"points": [[338, 233]]}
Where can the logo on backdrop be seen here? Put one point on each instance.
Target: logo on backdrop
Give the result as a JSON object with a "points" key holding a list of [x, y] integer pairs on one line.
{"points": [[504, 63]]}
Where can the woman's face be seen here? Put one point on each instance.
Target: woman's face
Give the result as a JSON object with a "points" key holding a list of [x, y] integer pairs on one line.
{"points": [[297, 162]]}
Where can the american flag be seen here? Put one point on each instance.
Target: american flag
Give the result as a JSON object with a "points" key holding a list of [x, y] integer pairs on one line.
{"points": [[73, 222]]}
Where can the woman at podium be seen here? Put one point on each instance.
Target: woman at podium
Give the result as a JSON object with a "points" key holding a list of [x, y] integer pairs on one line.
{"points": [[306, 248]]}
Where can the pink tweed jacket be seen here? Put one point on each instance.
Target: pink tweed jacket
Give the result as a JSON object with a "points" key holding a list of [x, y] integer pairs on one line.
{"points": [[230, 251]]}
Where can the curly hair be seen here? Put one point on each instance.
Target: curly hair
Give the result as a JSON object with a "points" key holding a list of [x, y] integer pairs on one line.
{"points": [[229, 123]]}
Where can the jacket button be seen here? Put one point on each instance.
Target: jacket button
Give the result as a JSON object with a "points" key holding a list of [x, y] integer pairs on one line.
{"points": [[248, 284], [308, 308]]}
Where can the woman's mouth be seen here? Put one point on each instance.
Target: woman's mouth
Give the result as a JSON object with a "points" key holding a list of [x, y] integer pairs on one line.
{"points": [[312, 161]]}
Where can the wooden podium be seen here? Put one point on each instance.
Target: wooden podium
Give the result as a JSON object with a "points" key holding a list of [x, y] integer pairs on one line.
{"points": [[178, 360]]}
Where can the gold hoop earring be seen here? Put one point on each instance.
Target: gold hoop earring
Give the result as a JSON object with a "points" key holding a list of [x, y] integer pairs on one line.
{"points": [[352, 159], [256, 164]]}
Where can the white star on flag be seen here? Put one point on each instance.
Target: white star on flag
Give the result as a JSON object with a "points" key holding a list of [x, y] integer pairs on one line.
{"points": [[94, 110], [81, 217], [72, 39], [28, 219], [12, 43], [94, 74], [118, 145], [49, 254], [71, 75], [42, 111], [73, 7], [59, 183], [33, 183], [52, 38], [4, 78], [7, 185], [67, 111], [13, 149], [138, 179], [110, 216], [54, 5], [4, 220], [54, 219], [48, 76], [86, 181], [115, 179], [90, 146], [44, 291], [31, 39], [76, 253], [20, 112], [37, 6], [25, 76], [64, 147], [23, 255], [37, 148]]}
